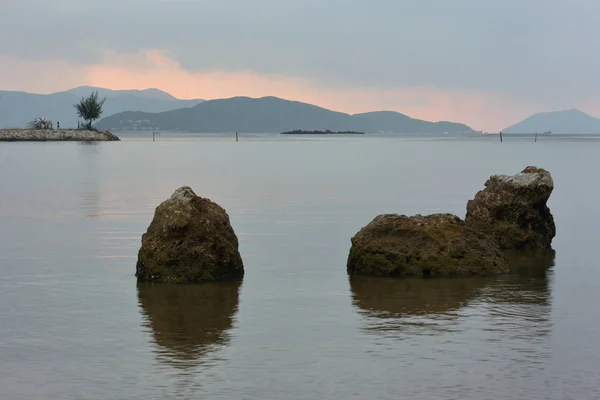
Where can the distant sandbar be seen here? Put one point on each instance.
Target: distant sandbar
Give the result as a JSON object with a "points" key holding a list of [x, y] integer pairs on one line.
{"points": [[327, 132]]}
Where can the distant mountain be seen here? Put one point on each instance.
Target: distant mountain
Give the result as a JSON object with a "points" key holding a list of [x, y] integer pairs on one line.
{"points": [[155, 94], [18, 108], [567, 121], [272, 115]]}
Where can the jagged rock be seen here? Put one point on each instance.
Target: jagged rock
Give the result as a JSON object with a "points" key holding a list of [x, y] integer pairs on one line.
{"points": [[513, 210], [421, 246], [190, 240]]}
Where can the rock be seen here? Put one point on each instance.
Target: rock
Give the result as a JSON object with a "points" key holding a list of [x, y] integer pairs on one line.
{"points": [[190, 240], [422, 246], [513, 210]]}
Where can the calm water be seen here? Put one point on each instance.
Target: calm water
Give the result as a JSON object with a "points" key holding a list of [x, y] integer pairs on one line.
{"points": [[75, 325]]}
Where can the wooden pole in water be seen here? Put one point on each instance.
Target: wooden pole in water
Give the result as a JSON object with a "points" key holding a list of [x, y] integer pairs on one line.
{"points": [[535, 140], [500, 137], [236, 136]]}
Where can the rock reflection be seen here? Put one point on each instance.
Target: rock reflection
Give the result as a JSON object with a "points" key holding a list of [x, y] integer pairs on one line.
{"points": [[519, 302], [88, 143], [528, 283], [90, 204], [397, 304], [189, 321], [519, 305], [89, 187]]}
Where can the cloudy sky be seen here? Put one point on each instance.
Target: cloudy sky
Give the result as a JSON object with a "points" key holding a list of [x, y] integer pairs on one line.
{"points": [[487, 63]]}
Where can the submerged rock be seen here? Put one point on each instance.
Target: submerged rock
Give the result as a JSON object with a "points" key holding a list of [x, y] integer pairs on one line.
{"points": [[190, 240], [422, 246], [513, 210]]}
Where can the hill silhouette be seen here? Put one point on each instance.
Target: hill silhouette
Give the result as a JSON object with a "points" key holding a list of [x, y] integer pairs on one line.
{"points": [[18, 108], [272, 115], [151, 93], [566, 121]]}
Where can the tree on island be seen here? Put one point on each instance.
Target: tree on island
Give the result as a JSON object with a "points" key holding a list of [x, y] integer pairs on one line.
{"points": [[89, 109]]}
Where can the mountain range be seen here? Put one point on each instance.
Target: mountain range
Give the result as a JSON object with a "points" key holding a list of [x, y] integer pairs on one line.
{"points": [[18, 108], [272, 115], [566, 121], [158, 110]]}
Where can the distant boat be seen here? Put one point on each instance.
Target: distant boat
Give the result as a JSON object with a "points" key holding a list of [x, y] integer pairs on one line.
{"points": [[547, 132]]}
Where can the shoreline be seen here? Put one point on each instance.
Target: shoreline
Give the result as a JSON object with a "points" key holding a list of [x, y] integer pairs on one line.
{"points": [[51, 135]]}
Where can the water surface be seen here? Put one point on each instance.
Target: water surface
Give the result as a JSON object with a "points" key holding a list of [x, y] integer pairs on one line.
{"points": [[75, 325]]}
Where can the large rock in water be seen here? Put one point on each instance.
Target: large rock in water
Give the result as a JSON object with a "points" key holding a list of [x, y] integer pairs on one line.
{"points": [[190, 240], [422, 246], [513, 210]]}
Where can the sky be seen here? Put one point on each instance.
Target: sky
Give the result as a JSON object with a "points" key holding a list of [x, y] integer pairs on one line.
{"points": [[486, 63]]}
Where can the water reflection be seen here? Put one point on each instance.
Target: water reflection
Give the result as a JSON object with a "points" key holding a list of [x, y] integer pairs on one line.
{"points": [[391, 304], [529, 282], [89, 190], [90, 203], [520, 305], [189, 321], [520, 301]]}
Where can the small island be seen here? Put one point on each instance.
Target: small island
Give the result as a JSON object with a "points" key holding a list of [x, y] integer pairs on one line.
{"points": [[326, 132], [42, 129], [42, 135]]}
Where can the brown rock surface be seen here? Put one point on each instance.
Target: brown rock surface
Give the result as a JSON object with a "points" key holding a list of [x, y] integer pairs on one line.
{"points": [[190, 240], [513, 210], [421, 246]]}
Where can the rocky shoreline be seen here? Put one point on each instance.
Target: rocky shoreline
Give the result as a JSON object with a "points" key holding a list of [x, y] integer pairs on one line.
{"points": [[42, 135]]}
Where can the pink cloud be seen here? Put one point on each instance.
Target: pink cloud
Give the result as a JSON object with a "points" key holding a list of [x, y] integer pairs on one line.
{"points": [[38, 76]]}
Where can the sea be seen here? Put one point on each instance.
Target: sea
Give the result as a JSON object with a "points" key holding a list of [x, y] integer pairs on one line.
{"points": [[74, 323]]}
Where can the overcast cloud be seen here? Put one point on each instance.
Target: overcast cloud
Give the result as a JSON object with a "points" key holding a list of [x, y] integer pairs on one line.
{"points": [[541, 50]]}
